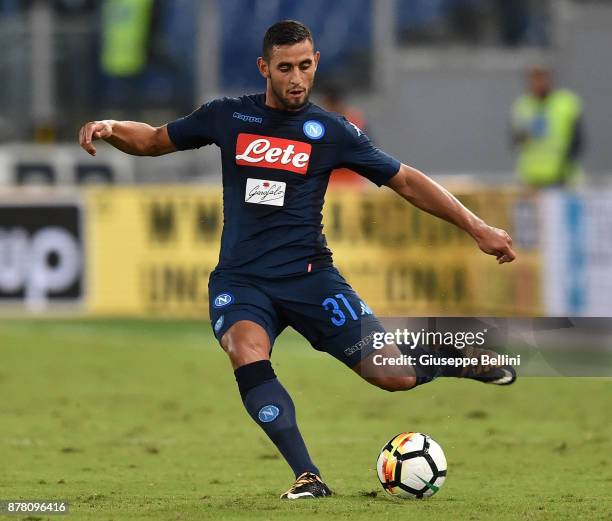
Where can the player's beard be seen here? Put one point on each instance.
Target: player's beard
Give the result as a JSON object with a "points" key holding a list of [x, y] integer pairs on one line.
{"points": [[286, 102]]}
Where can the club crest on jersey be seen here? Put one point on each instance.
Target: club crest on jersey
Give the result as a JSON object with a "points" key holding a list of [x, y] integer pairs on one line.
{"points": [[272, 152], [314, 129], [223, 299]]}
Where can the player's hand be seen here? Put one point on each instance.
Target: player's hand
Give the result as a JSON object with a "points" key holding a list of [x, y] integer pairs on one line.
{"points": [[494, 241], [92, 131]]}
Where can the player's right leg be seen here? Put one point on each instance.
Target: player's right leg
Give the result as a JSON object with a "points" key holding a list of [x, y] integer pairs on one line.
{"points": [[269, 404], [246, 325]]}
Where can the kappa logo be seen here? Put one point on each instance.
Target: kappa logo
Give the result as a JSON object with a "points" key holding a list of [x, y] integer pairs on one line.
{"points": [[357, 129], [272, 152], [223, 299], [365, 309], [219, 324], [248, 119], [268, 413], [359, 345]]}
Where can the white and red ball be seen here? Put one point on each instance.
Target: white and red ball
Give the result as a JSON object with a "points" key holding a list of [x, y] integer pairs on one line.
{"points": [[411, 465]]}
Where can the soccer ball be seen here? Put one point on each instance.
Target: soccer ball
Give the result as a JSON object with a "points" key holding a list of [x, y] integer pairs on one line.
{"points": [[411, 465]]}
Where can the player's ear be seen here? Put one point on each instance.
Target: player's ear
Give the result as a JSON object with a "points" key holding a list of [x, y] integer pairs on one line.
{"points": [[317, 57], [264, 68]]}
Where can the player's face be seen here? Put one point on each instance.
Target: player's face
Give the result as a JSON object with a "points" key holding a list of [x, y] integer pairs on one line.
{"points": [[290, 74]]}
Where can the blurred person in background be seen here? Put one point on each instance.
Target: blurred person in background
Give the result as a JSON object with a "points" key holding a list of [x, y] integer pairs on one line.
{"points": [[126, 33], [334, 100], [547, 132], [146, 55]]}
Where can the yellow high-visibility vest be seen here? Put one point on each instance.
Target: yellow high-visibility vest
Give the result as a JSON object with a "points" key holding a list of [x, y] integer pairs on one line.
{"points": [[125, 36], [549, 124]]}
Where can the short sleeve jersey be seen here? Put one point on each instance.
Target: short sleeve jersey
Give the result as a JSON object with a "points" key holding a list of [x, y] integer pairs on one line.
{"points": [[276, 166]]}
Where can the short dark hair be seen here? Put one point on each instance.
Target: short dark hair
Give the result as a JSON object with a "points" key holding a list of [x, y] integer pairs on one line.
{"points": [[287, 32]]}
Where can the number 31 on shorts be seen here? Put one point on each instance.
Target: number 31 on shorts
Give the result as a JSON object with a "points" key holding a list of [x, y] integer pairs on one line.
{"points": [[339, 306]]}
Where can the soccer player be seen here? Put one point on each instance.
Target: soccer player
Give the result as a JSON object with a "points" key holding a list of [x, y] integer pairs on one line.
{"points": [[275, 270]]}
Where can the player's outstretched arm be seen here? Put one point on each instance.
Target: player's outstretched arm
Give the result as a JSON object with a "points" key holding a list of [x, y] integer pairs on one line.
{"points": [[138, 139], [426, 194]]}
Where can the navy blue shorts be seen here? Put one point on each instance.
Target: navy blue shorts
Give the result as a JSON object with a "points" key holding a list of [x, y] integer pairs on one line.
{"points": [[320, 305]]}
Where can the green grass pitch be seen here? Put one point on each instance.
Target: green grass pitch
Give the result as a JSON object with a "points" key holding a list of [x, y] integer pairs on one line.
{"points": [[142, 420]]}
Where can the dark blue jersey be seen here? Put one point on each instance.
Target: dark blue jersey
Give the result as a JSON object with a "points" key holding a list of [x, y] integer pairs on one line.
{"points": [[276, 167]]}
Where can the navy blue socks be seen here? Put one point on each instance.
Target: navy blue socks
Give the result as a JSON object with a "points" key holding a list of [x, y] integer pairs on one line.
{"points": [[270, 405]]}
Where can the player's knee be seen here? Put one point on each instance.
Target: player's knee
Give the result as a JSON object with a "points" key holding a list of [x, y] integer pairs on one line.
{"points": [[247, 350], [394, 383], [245, 345]]}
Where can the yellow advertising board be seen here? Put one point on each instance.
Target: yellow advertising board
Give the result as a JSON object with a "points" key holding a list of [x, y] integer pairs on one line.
{"points": [[150, 251], [405, 262]]}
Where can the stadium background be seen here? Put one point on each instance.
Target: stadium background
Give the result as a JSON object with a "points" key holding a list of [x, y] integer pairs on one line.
{"points": [[127, 415], [434, 81]]}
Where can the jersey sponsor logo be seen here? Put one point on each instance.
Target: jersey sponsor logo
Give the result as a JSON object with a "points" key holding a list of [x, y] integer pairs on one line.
{"points": [[314, 129], [223, 299], [262, 191], [268, 413], [248, 119], [272, 152]]}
